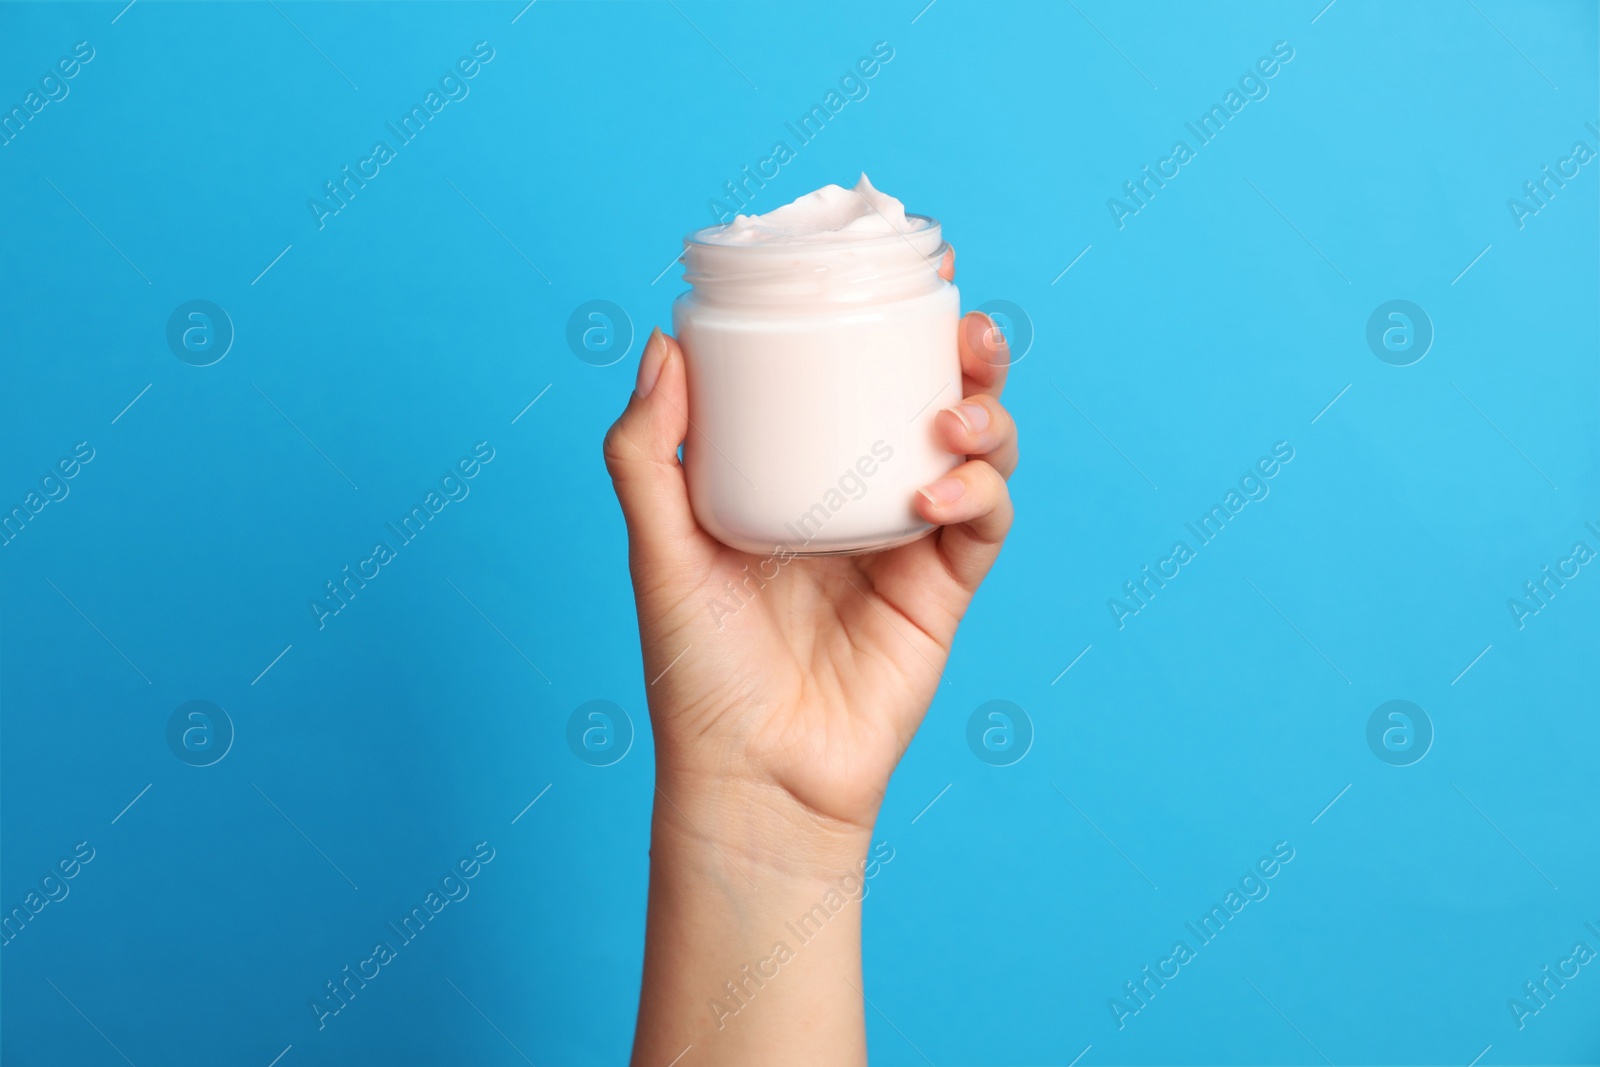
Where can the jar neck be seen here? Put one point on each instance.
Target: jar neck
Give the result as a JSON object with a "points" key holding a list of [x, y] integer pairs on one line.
{"points": [[856, 272]]}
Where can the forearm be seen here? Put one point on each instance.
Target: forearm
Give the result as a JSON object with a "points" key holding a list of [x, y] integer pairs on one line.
{"points": [[753, 942]]}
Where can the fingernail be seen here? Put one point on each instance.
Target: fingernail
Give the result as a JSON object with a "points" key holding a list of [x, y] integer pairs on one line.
{"points": [[975, 417], [990, 337], [650, 363], [944, 492]]}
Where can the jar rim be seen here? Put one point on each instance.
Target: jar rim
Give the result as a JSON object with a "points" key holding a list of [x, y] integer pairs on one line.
{"points": [[857, 270], [926, 223]]}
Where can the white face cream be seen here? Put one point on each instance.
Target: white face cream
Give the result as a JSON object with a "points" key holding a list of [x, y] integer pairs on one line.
{"points": [[820, 343], [830, 215]]}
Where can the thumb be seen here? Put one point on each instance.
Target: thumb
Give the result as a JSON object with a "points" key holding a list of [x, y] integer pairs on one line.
{"points": [[641, 451]]}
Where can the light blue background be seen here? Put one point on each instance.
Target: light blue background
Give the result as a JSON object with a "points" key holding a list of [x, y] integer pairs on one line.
{"points": [[1222, 719]]}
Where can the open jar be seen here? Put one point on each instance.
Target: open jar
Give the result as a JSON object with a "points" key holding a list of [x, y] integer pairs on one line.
{"points": [[815, 372]]}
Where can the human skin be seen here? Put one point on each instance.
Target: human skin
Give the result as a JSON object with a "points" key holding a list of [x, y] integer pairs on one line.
{"points": [[777, 726]]}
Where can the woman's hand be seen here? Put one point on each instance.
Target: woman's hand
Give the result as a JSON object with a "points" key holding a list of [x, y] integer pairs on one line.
{"points": [[780, 706], [812, 682]]}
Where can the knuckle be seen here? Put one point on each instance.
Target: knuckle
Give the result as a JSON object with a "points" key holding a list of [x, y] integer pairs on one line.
{"points": [[1003, 426], [984, 483], [1002, 494], [618, 449]]}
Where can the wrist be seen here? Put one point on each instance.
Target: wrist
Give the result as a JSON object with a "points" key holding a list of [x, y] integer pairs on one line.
{"points": [[753, 949], [753, 826]]}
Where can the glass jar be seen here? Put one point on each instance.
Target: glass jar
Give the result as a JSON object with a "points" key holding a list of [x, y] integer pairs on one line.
{"points": [[815, 372]]}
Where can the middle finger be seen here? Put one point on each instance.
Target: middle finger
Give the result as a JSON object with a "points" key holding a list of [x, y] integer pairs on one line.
{"points": [[980, 427]]}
